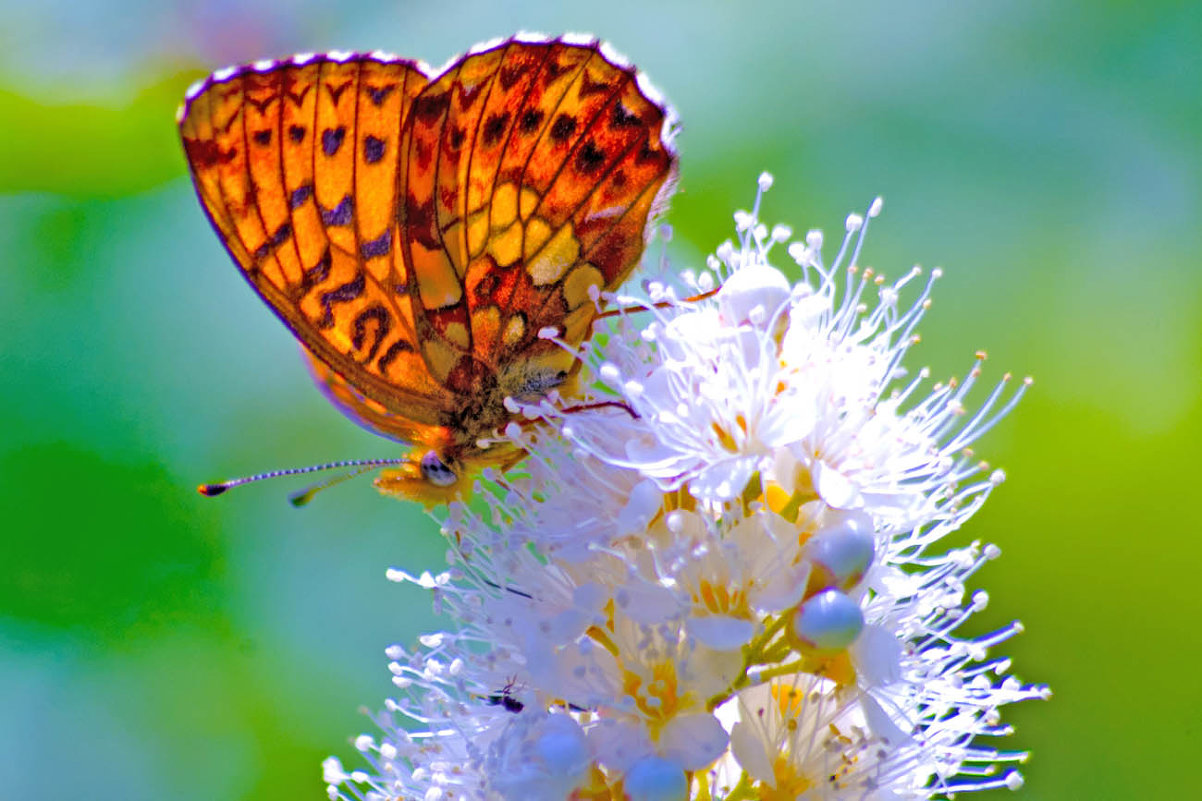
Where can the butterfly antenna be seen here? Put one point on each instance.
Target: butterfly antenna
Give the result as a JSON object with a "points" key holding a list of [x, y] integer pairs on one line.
{"points": [[301, 498], [213, 490]]}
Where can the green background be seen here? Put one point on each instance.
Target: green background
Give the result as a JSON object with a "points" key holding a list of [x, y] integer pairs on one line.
{"points": [[155, 644]]}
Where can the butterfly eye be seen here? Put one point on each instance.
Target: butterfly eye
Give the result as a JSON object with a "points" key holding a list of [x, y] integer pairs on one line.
{"points": [[436, 471]]}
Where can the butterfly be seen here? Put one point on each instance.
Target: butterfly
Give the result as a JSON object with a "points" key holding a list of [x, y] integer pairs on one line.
{"points": [[426, 236]]}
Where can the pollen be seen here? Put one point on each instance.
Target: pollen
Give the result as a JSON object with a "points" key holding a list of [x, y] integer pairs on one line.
{"points": [[722, 599], [727, 441], [788, 782], [657, 697]]}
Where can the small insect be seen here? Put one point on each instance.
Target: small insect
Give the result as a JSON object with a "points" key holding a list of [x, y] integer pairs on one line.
{"points": [[423, 234], [504, 698]]}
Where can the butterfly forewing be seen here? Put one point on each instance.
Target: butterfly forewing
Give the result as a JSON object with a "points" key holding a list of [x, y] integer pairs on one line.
{"points": [[297, 166], [298, 111]]}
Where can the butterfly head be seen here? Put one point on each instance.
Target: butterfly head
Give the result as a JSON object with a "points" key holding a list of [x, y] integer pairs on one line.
{"points": [[430, 478]]}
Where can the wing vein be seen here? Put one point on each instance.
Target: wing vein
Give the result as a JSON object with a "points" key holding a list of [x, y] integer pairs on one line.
{"points": [[355, 169], [279, 140], [597, 187], [253, 197], [550, 118], [522, 106], [583, 132]]}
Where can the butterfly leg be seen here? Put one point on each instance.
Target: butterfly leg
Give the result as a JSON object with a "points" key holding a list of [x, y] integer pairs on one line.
{"points": [[661, 305], [584, 407]]}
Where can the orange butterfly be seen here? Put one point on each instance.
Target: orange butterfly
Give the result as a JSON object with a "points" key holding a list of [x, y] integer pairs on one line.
{"points": [[416, 234]]}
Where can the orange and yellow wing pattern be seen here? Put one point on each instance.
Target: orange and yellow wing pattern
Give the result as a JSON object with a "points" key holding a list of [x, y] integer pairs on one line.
{"points": [[533, 169], [296, 165], [417, 234]]}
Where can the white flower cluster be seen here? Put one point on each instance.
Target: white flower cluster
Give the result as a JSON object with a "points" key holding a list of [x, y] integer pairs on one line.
{"points": [[716, 576]]}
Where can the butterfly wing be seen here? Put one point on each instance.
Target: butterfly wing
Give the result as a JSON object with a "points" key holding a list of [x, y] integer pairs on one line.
{"points": [[533, 170], [297, 166], [367, 413]]}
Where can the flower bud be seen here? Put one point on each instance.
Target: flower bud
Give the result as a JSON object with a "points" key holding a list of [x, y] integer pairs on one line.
{"points": [[654, 778], [828, 621], [842, 553]]}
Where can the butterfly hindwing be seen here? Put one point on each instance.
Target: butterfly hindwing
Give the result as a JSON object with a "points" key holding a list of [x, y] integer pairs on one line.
{"points": [[601, 173], [367, 413], [534, 167]]}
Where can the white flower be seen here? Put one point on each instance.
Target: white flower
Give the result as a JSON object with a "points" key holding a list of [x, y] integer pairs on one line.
{"points": [[717, 573]]}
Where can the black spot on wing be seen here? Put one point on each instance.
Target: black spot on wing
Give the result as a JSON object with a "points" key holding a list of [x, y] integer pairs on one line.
{"points": [[486, 286], [300, 195], [420, 217], [297, 98], [297, 133], [263, 137], [623, 117], [394, 350], [315, 275], [554, 70], [331, 139], [379, 93], [510, 75], [261, 104], [590, 87], [468, 96], [563, 127], [383, 322], [589, 158], [379, 246], [207, 153], [336, 91], [342, 214], [531, 119], [278, 238], [429, 108], [494, 128], [373, 149], [343, 294]]}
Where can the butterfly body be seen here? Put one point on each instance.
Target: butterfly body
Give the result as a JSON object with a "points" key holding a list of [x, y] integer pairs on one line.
{"points": [[418, 234]]}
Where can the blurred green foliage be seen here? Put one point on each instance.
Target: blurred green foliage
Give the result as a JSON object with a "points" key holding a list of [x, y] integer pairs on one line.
{"points": [[84, 149], [155, 644]]}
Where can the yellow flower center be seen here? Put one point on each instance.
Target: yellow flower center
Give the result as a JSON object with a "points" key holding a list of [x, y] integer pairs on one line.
{"points": [[657, 697], [594, 788], [788, 783], [721, 599], [788, 700]]}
